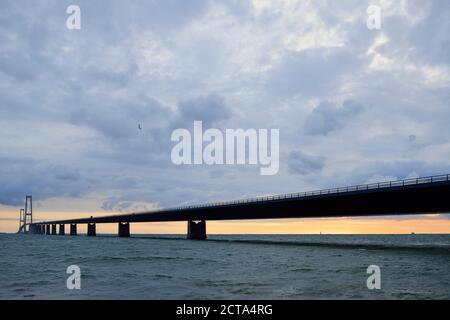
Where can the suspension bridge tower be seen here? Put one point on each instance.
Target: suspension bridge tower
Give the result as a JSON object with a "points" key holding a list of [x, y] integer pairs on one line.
{"points": [[26, 215]]}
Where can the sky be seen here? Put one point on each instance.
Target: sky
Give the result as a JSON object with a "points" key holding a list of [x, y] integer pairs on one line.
{"points": [[352, 105]]}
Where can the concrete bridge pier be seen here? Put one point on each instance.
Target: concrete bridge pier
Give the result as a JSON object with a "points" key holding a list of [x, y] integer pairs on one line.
{"points": [[91, 230], [32, 229], [124, 229], [53, 229], [196, 230], [41, 229], [47, 229], [73, 229], [35, 228], [62, 230]]}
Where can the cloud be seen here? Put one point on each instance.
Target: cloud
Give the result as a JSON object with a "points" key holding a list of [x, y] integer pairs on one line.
{"points": [[311, 72], [119, 119], [17, 67], [124, 206], [303, 164], [328, 117], [41, 179], [428, 31], [210, 109], [72, 102]]}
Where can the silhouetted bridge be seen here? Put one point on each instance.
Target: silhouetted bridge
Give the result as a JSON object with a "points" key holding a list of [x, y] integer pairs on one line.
{"points": [[428, 195]]}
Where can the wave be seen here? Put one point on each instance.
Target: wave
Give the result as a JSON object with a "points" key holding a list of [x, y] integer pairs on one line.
{"points": [[424, 247], [328, 244]]}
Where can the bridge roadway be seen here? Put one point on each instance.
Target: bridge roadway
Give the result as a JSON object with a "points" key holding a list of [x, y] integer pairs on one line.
{"points": [[428, 195]]}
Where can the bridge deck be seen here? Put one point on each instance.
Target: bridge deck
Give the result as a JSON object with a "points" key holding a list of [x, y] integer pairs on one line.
{"points": [[411, 196]]}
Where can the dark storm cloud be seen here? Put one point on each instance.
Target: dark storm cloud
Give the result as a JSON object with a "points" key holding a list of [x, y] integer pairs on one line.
{"points": [[25, 176]]}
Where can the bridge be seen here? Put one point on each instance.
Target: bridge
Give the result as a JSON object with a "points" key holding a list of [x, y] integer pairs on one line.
{"points": [[428, 195]]}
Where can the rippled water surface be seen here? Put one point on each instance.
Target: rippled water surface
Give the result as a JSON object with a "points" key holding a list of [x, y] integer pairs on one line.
{"points": [[225, 267]]}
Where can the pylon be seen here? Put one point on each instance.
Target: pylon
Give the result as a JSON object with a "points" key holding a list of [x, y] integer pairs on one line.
{"points": [[21, 220], [24, 213]]}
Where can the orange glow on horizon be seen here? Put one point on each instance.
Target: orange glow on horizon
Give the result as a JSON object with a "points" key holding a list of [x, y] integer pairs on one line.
{"points": [[430, 224]]}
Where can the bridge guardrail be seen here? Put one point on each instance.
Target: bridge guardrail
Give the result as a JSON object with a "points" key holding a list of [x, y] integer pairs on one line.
{"points": [[362, 187]]}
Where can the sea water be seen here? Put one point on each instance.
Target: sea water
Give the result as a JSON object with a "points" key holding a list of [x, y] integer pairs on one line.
{"points": [[225, 267]]}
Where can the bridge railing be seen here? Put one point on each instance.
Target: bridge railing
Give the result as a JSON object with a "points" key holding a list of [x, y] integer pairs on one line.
{"points": [[362, 187]]}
